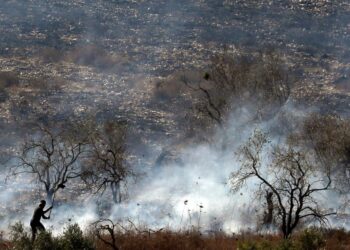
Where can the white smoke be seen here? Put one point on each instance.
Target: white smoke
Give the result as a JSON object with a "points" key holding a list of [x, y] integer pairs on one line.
{"points": [[195, 193]]}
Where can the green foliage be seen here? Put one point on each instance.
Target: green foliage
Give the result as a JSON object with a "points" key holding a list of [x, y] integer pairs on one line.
{"points": [[44, 241], [286, 245], [255, 245], [74, 239], [310, 239], [20, 237]]}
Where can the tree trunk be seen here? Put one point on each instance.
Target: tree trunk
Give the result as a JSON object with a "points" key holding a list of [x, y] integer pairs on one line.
{"points": [[115, 192], [268, 217], [49, 195]]}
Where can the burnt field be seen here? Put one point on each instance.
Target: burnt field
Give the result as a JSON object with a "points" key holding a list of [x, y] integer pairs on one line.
{"points": [[104, 44], [106, 54], [180, 90]]}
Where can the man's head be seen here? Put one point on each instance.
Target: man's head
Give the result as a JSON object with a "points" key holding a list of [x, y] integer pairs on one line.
{"points": [[42, 204]]}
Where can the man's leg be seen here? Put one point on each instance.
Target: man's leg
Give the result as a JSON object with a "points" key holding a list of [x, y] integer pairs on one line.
{"points": [[40, 226], [34, 230], [35, 227]]}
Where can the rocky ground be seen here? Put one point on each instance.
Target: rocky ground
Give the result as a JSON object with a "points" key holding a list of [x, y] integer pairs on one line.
{"points": [[68, 58], [73, 57], [104, 50]]}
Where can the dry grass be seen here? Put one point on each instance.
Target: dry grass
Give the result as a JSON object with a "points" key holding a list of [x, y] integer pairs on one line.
{"points": [[171, 240], [94, 56], [50, 55], [337, 240], [5, 245], [334, 240]]}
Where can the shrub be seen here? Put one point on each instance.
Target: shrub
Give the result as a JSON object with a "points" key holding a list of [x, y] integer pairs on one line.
{"points": [[267, 244], [254, 244], [45, 241], [20, 237], [74, 239], [310, 239], [248, 245], [286, 245]]}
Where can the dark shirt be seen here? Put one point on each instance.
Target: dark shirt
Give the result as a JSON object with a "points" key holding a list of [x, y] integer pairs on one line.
{"points": [[38, 213]]}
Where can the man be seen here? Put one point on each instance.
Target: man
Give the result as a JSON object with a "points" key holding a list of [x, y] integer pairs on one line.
{"points": [[35, 222]]}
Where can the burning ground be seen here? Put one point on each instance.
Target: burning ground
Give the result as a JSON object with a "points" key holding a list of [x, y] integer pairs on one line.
{"points": [[63, 59]]}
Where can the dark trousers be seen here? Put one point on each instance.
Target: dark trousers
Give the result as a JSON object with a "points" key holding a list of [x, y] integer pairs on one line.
{"points": [[36, 225]]}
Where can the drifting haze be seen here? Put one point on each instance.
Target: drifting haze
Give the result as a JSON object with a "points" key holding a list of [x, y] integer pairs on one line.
{"points": [[143, 40]]}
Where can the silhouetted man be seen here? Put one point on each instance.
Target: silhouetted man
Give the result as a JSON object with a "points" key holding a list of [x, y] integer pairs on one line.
{"points": [[35, 222]]}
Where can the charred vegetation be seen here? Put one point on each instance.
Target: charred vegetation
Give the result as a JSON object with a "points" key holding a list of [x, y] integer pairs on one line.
{"points": [[141, 104]]}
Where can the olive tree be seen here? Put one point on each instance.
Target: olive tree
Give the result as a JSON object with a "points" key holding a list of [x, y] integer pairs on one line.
{"points": [[107, 165], [292, 177], [51, 155], [328, 136], [234, 82]]}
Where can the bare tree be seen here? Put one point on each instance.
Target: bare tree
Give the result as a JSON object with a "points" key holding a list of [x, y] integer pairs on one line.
{"points": [[51, 155], [107, 165], [103, 226], [292, 178]]}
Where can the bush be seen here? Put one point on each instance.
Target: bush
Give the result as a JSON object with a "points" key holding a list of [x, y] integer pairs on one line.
{"points": [[20, 237], [310, 239], [259, 245], [286, 245], [74, 239], [248, 245], [45, 241]]}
